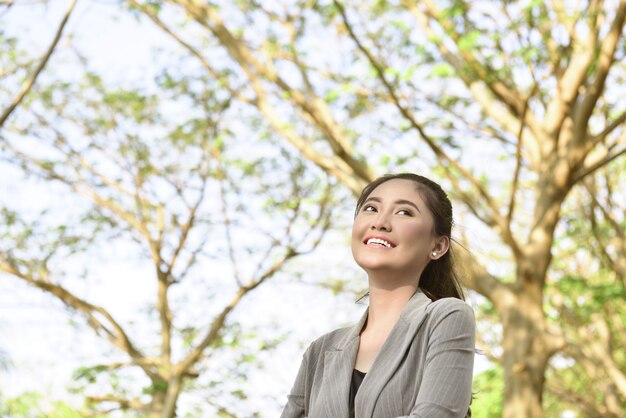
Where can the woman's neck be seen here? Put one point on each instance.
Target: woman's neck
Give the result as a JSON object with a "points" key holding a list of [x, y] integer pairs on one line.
{"points": [[385, 306]]}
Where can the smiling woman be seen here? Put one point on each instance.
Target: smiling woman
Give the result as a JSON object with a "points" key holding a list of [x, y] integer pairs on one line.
{"points": [[412, 352]]}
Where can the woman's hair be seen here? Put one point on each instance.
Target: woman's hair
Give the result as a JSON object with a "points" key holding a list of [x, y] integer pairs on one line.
{"points": [[439, 279]]}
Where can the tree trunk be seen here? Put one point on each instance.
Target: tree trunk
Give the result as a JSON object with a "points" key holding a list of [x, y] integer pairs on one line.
{"points": [[163, 403], [527, 347], [171, 397], [156, 406], [527, 343]]}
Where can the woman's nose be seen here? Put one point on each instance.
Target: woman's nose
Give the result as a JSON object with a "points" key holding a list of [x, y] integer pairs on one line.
{"points": [[381, 222]]}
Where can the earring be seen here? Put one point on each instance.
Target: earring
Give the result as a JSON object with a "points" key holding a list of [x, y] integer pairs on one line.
{"points": [[434, 253]]}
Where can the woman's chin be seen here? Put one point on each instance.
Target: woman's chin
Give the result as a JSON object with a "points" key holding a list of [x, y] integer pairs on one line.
{"points": [[373, 264]]}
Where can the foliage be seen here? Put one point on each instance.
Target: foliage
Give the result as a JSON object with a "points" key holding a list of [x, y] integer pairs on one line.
{"points": [[35, 405], [167, 180], [513, 106], [488, 387], [586, 300]]}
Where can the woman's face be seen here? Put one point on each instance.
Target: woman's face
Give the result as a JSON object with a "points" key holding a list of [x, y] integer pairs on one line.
{"points": [[393, 231]]}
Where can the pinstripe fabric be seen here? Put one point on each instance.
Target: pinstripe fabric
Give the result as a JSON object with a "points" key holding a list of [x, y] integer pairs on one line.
{"points": [[424, 368]]}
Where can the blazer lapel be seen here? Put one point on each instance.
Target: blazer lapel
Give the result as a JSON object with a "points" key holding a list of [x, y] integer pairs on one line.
{"points": [[390, 354], [338, 366]]}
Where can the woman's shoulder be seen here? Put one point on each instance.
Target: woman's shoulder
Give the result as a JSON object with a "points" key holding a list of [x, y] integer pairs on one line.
{"points": [[447, 306]]}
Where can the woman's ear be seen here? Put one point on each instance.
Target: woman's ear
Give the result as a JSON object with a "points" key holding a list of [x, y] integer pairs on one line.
{"points": [[440, 247]]}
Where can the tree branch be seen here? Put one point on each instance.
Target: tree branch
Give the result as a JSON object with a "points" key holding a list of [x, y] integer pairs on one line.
{"points": [[602, 246], [617, 264], [227, 222], [545, 28], [50, 173], [569, 85], [313, 106], [211, 336], [467, 60], [123, 403], [217, 325], [112, 330], [31, 81], [518, 160], [590, 407], [496, 99], [605, 61], [339, 165], [598, 345], [184, 233], [494, 214], [586, 171], [566, 21], [619, 121], [478, 278]]}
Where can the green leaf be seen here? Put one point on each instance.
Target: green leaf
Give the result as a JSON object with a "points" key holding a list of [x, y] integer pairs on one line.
{"points": [[468, 41], [442, 70]]}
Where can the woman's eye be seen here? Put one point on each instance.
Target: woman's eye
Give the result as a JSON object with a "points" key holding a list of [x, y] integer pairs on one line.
{"points": [[404, 212], [369, 208]]}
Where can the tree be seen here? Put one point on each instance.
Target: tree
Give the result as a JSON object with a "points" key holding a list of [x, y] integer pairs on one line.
{"points": [[510, 104], [528, 81], [587, 298], [585, 294], [214, 215]]}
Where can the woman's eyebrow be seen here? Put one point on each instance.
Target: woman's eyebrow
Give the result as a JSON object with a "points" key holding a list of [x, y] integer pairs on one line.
{"points": [[408, 202], [397, 202], [375, 199]]}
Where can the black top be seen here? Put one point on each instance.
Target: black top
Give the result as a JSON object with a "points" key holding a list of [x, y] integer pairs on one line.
{"points": [[357, 378]]}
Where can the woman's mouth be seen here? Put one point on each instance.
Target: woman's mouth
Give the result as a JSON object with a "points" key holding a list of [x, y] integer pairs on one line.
{"points": [[379, 242]]}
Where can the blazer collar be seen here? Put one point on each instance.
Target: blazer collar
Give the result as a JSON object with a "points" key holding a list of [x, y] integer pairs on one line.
{"points": [[391, 353], [340, 359], [338, 365]]}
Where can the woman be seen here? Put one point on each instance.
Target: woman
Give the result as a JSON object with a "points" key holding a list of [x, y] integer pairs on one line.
{"points": [[412, 352]]}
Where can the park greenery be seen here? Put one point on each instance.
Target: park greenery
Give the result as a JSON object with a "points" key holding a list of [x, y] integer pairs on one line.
{"points": [[263, 118]]}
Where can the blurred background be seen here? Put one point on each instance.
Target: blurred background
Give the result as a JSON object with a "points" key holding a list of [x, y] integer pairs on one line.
{"points": [[178, 180]]}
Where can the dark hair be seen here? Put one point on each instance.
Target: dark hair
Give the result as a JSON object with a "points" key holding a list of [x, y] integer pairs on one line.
{"points": [[439, 279]]}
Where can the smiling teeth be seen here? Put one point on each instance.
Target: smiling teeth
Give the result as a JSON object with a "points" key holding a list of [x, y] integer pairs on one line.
{"points": [[379, 241]]}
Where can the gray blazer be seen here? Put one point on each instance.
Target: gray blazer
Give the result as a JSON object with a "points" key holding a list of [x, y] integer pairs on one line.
{"points": [[424, 368]]}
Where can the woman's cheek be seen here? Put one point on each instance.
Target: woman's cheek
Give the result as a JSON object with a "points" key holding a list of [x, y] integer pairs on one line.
{"points": [[418, 230]]}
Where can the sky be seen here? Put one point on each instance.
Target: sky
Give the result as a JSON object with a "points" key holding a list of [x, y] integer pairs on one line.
{"points": [[44, 342]]}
